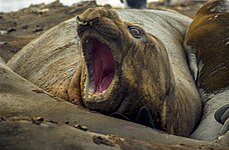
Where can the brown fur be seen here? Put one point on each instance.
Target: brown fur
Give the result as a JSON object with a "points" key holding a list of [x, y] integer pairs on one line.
{"points": [[208, 36], [144, 74]]}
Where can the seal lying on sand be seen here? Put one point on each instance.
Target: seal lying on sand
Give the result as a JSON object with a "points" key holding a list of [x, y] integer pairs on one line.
{"points": [[120, 67], [208, 46]]}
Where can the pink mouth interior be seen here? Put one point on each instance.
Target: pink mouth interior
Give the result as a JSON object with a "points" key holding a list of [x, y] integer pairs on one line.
{"points": [[103, 65]]}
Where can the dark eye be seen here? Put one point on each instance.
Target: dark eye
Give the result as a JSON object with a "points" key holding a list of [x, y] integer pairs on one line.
{"points": [[135, 32]]}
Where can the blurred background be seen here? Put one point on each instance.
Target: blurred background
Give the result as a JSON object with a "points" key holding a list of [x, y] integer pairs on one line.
{"points": [[14, 5], [23, 20]]}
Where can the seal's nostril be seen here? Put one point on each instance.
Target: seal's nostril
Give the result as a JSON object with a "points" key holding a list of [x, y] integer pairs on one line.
{"points": [[80, 22], [94, 21], [77, 18], [85, 23]]}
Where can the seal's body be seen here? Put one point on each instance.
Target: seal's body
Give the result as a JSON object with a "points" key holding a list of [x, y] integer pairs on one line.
{"points": [[117, 67], [208, 46]]}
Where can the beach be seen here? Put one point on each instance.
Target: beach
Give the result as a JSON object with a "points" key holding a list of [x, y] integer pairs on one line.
{"points": [[19, 27], [15, 5]]}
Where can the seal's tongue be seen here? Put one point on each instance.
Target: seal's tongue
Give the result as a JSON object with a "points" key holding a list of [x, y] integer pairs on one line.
{"points": [[103, 65]]}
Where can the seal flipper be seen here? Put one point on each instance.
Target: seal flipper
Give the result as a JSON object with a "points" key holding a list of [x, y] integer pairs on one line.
{"points": [[119, 116], [225, 127], [222, 116], [225, 116], [144, 117]]}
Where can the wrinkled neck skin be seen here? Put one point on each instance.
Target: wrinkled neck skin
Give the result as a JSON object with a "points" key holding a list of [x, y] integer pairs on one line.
{"points": [[147, 74], [136, 74], [150, 82]]}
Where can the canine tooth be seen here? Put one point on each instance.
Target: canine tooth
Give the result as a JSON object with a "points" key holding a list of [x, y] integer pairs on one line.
{"points": [[104, 91]]}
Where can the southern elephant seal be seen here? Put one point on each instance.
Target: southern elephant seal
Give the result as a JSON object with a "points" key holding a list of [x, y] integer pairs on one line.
{"points": [[139, 4], [120, 67], [207, 42]]}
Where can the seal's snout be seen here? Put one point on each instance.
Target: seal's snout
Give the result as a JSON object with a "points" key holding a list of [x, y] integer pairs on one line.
{"points": [[86, 22], [93, 15], [98, 20]]}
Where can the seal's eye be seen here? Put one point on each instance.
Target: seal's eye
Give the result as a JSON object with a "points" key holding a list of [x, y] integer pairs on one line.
{"points": [[135, 31]]}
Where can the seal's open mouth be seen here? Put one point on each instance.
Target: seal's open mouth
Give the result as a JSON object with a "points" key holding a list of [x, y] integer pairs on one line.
{"points": [[100, 64]]}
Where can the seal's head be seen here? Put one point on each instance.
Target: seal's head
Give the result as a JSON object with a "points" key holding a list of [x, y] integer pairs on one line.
{"points": [[123, 65]]}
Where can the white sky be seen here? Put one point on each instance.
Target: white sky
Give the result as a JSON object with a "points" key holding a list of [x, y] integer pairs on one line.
{"points": [[14, 5]]}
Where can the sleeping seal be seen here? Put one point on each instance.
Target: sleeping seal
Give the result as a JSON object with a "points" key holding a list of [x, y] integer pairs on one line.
{"points": [[207, 42], [118, 67]]}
